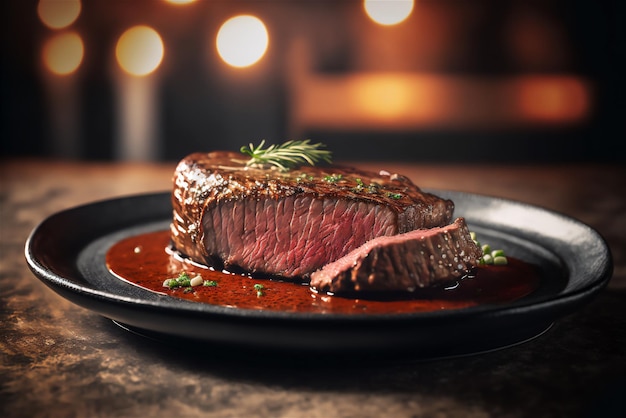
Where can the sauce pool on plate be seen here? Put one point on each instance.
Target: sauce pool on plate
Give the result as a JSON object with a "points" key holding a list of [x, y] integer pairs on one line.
{"points": [[144, 260]]}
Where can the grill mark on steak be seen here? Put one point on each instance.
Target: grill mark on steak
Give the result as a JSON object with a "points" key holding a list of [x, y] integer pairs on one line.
{"points": [[402, 262], [288, 224]]}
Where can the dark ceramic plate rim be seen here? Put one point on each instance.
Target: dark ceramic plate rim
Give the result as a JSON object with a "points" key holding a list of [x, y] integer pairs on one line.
{"points": [[573, 248]]}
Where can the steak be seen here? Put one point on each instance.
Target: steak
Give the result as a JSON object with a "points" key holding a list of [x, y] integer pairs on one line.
{"points": [[289, 223], [404, 262]]}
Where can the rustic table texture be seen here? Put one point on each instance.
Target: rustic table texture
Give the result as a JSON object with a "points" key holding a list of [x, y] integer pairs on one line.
{"points": [[61, 360]]}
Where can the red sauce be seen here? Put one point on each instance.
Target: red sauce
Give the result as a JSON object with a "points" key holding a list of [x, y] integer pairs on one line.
{"points": [[143, 260]]}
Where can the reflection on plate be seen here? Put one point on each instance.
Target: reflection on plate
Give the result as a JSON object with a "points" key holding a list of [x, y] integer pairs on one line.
{"points": [[67, 252]]}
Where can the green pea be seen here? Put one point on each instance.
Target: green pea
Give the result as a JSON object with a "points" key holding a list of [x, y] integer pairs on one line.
{"points": [[500, 260], [497, 253]]}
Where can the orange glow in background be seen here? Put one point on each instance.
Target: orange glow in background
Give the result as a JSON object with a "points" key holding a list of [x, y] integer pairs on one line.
{"points": [[180, 2], [139, 51], [58, 14], [553, 99], [395, 98], [242, 41], [388, 12], [63, 53]]}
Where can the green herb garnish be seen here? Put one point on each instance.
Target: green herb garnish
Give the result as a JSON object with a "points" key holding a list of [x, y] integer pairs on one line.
{"points": [[171, 283], [287, 155], [395, 196], [259, 289], [183, 280], [359, 186], [490, 257], [209, 283], [332, 178]]}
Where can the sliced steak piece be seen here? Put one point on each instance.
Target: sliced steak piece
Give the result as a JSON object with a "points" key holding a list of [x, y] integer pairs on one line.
{"points": [[404, 262], [289, 224]]}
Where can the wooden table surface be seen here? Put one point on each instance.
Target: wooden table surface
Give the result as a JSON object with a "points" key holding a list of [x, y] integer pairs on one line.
{"points": [[60, 360]]}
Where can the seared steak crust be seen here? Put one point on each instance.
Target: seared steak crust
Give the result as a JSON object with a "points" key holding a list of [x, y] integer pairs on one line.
{"points": [[291, 223], [404, 262]]}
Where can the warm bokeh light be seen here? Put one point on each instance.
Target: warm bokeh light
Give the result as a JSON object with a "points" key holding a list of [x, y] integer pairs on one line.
{"points": [[139, 51], [384, 97], [398, 99], [557, 99], [388, 12], [242, 40], [58, 14], [63, 53], [180, 1]]}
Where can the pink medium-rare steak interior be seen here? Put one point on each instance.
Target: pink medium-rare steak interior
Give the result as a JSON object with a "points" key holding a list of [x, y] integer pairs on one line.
{"points": [[294, 235]]}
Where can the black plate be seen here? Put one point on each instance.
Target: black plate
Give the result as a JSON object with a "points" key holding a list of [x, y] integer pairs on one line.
{"points": [[67, 252]]}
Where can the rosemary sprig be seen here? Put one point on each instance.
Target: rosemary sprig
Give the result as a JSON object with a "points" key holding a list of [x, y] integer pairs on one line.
{"points": [[286, 155]]}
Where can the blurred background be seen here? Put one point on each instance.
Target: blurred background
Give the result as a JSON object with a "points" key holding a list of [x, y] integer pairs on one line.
{"points": [[407, 80]]}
